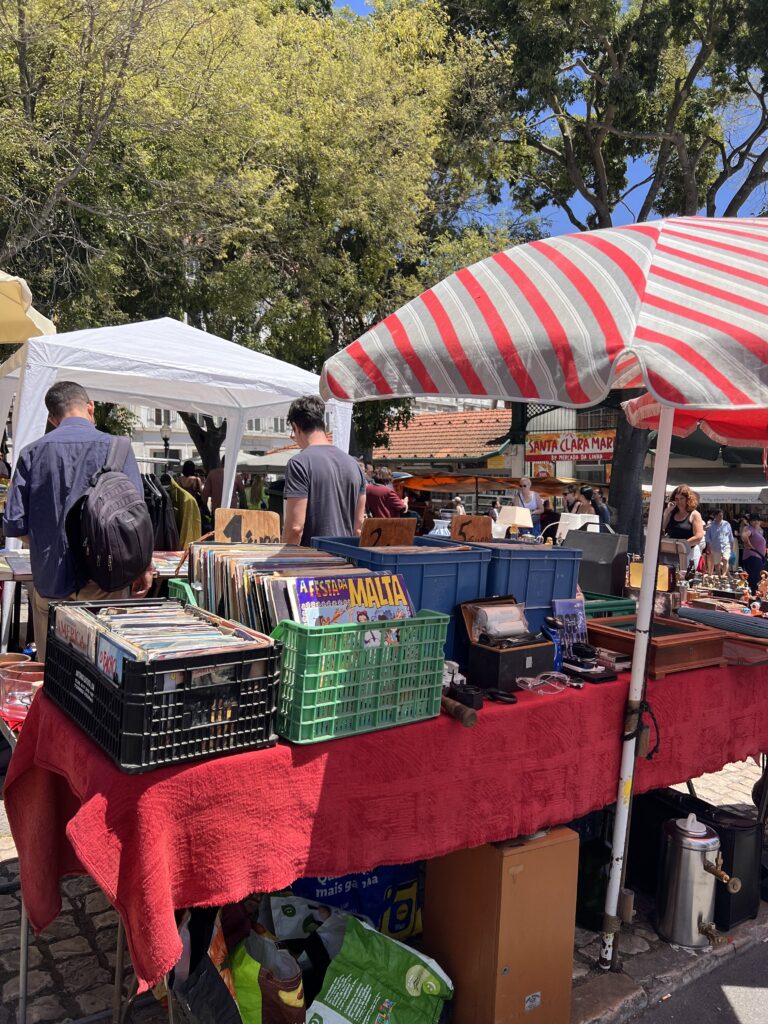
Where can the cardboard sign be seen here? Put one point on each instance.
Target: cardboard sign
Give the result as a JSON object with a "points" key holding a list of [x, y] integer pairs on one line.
{"points": [[246, 526], [471, 528], [387, 533]]}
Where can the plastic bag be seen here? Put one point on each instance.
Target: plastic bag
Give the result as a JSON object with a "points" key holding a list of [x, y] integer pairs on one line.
{"points": [[375, 979], [268, 983]]}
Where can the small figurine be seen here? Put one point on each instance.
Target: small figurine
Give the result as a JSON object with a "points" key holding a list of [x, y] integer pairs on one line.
{"points": [[754, 608]]}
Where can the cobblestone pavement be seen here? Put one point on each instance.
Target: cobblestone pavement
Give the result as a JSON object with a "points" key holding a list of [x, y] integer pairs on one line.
{"points": [[651, 968], [71, 965]]}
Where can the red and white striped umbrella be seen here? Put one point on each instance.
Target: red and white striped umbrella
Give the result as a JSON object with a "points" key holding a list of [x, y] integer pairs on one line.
{"points": [[677, 305]]}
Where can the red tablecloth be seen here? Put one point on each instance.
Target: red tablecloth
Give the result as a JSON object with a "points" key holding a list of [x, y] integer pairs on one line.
{"points": [[212, 832]]}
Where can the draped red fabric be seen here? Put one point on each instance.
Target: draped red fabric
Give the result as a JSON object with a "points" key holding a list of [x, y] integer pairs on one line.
{"points": [[212, 832]]}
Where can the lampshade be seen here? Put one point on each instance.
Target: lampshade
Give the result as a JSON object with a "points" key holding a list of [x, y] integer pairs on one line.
{"points": [[515, 515]]}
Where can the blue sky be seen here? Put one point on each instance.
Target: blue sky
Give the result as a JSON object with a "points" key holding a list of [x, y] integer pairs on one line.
{"points": [[558, 221]]}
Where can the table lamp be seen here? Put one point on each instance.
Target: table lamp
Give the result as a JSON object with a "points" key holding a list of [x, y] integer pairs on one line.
{"points": [[514, 516]]}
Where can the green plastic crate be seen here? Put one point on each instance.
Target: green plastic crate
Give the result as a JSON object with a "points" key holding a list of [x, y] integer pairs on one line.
{"points": [[181, 590], [334, 682]]}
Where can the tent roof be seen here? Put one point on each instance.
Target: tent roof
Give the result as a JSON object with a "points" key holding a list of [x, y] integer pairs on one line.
{"points": [[167, 363], [275, 462]]}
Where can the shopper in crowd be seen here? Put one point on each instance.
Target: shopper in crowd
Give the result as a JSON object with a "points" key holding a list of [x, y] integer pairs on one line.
{"points": [[381, 501], [324, 487], [592, 505], [256, 492], [458, 506], [719, 540], [189, 480], [493, 510], [369, 472], [525, 497], [682, 521], [51, 474], [753, 542], [427, 518], [602, 500], [571, 498], [213, 489], [548, 517]]}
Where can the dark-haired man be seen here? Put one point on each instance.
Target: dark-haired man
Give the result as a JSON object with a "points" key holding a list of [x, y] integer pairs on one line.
{"points": [[324, 487], [51, 474]]}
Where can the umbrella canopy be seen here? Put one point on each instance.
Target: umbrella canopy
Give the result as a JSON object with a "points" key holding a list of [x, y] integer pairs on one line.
{"points": [[678, 305], [739, 427], [19, 321]]}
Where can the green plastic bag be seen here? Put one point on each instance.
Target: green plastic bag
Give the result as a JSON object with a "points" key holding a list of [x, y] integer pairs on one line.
{"points": [[376, 980]]}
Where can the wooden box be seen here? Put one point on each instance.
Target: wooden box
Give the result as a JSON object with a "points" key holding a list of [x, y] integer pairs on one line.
{"points": [[500, 920], [676, 646], [664, 604]]}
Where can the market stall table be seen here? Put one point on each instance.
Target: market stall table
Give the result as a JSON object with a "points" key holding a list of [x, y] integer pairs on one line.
{"points": [[14, 568], [212, 832]]}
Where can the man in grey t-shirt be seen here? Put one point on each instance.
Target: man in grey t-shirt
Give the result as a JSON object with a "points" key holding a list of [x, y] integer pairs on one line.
{"points": [[324, 487]]}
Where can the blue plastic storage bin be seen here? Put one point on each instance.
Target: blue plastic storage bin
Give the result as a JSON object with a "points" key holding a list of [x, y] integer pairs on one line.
{"points": [[534, 575], [435, 582]]}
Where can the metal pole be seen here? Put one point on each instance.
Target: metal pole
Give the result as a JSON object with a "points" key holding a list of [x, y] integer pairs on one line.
{"points": [[117, 995], [611, 922], [23, 965]]}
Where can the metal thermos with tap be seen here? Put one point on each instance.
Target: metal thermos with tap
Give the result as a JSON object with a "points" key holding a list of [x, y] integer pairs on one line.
{"points": [[691, 867]]}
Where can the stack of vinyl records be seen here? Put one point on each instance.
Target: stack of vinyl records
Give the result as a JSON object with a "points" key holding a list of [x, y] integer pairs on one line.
{"points": [[153, 631], [250, 582]]}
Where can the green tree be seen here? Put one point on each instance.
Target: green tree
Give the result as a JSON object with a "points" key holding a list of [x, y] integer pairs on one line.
{"points": [[640, 109], [115, 419]]}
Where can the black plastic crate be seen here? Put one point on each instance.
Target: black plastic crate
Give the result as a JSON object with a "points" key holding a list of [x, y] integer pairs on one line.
{"points": [[170, 711]]}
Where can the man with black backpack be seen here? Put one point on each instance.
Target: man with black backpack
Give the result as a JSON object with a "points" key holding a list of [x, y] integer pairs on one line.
{"points": [[77, 498]]}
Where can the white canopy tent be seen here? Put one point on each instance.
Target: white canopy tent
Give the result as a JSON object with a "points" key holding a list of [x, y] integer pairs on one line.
{"points": [[157, 363], [274, 463]]}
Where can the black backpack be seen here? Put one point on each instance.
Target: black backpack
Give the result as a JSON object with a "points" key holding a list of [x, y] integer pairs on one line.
{"points": [[109, 529]]}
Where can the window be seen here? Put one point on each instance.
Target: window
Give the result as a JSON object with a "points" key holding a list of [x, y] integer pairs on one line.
{"points": [[162, 416], [597, 419]]}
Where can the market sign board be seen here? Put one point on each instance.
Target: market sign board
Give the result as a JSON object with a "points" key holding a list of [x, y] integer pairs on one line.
{"points": [[570, 446]]}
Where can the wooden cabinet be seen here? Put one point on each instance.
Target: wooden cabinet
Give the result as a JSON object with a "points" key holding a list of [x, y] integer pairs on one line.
{"points": [[500, 919]]}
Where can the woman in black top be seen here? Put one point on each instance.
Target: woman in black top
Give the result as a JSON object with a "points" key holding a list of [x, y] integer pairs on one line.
{"points": [[683, 522]]}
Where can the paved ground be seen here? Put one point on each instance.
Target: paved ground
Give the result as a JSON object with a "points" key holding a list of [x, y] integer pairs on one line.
{"points": [[736, 993], [653, 970], [71, 965]]}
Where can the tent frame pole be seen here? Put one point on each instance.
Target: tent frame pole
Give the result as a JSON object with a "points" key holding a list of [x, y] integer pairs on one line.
{"points": [[633, 713]]}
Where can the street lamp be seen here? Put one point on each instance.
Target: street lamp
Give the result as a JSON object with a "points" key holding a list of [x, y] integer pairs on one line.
{"points": [[165, 436]]}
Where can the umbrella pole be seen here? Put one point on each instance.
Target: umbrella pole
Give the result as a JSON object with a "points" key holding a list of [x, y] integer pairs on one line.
{"points": [[611, 922]]}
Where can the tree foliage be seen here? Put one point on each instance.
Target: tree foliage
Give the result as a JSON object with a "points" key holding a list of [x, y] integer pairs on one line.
{"points": [[601, 89], [623, 111], [283, 173]]}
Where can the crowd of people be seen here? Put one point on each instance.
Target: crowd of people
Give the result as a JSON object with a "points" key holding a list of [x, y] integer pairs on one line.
{"points": [[716, 545]]}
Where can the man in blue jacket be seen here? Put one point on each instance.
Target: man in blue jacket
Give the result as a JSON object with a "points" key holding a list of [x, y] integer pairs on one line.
{"points": [[50, 475]]}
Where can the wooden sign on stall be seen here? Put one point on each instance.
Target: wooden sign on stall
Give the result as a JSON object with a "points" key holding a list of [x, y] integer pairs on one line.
{"points": [[246, 526], [471, 528], [387, 533]]}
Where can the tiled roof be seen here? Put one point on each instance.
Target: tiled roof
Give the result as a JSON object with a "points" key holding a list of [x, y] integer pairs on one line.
{"points": [[447, 435]]}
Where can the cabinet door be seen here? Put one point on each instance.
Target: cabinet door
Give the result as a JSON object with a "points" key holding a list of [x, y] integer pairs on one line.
{"points": [[536, 930]]}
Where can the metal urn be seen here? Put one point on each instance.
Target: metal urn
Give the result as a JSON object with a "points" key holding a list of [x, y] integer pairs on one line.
{"points": [[691, 866]]}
